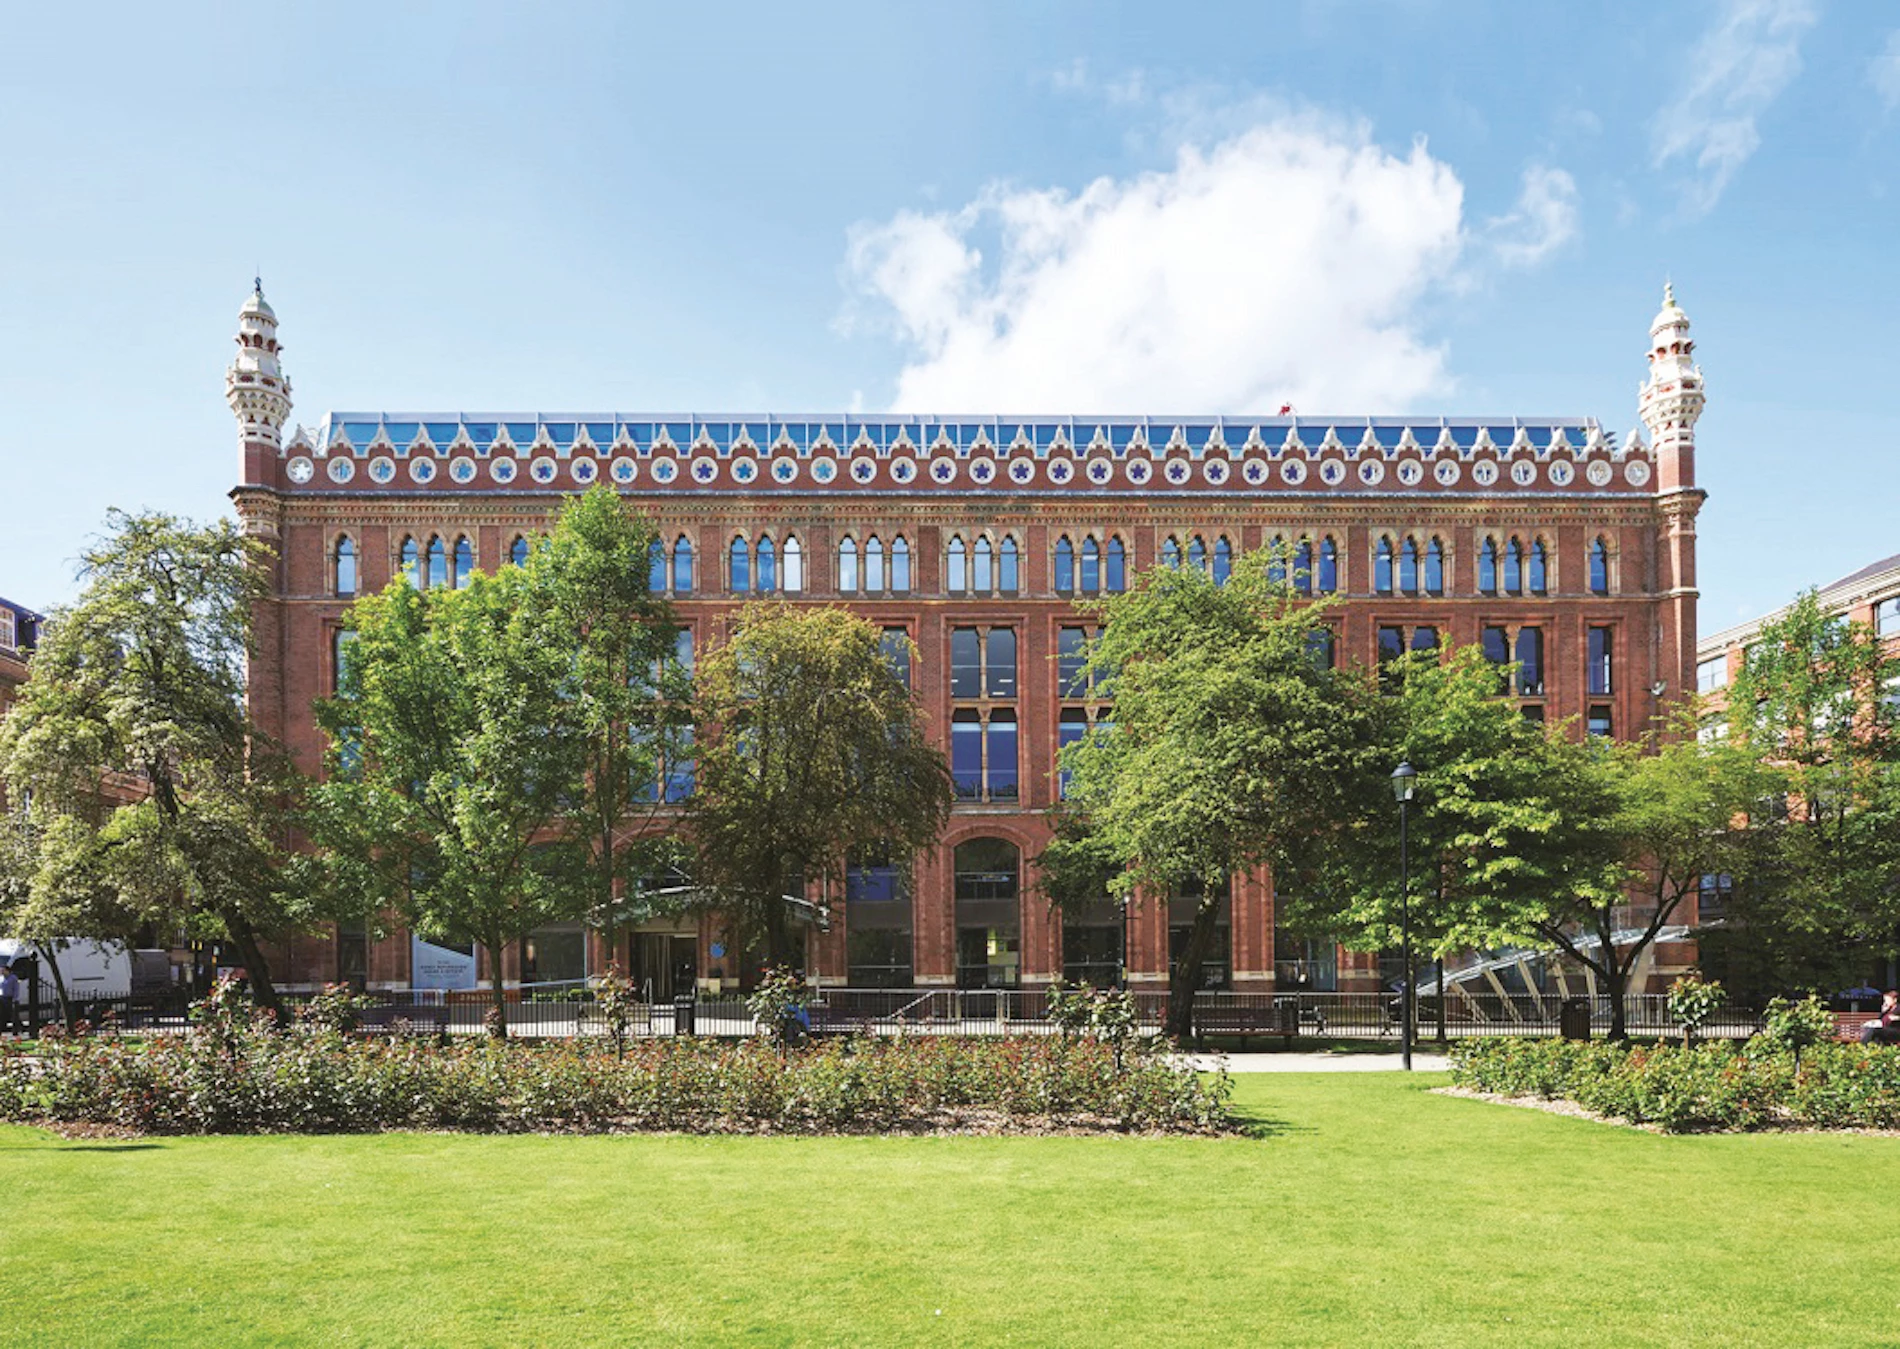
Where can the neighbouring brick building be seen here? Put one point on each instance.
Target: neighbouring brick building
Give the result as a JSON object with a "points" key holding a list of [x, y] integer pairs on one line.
{"points": [[1567, 553]]}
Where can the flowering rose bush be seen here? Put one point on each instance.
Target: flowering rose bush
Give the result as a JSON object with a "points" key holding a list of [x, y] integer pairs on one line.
{"points": [[1760, 1084], [232, 1073]]}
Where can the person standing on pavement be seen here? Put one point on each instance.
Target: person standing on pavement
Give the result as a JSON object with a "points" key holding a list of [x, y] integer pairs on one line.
{"points": [[9, 1000]]}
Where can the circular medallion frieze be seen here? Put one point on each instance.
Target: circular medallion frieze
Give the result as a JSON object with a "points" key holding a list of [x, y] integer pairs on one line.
{"points": [[1293, 471], [1371, 472], [382, 468], [1446, 472], [1138, 471], [583, 471], [462, 470], [300, 470], [542, 470], [1598, 473], [1561, 473], [342, 470], [1484, 472], [1636, 473], [1215, 472], [422, 470], [624, 469], [502, 469]]}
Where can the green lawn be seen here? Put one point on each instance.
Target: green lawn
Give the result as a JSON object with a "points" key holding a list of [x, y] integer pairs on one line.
{"points": [[1369, 1213]]}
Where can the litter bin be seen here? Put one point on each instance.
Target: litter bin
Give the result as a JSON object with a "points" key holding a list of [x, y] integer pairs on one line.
{"points": [[683, 1014], [1573, 1019]]}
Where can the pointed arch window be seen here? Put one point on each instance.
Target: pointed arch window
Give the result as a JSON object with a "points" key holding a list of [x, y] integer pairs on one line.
{"points": [[518, 551], [1382, 568], [1328, 566], [1197, 553], [1223, 560], [1008, 573], [983, 566], [874, 564], [1091, 567], [792, 564], [656, 566], [1276, 560], [1538, 580], [848, 565], [1303, 567], [767, 564], [1171, 553], [900, 566], [463, 563], [956, 567], [739, 566], [1435, 567], [1599, 567], [345, 566], [1408, 566], [683, 565], [1488, 567], [411, 561], [1115, 570], [1513, 568], [438, 561], [1065, 566]]}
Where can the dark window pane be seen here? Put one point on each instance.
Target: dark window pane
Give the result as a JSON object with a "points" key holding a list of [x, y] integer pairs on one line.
{"points": [[1320, 648], [1000, 663], [1223, 561], [1303, 567], [900, 565], [966, 753], [1599, 568], [1435, 568], [1171, 553], [1008, 578], [966, 663], [1002, 755], [981, 578], [345, 567], [1070, 656], [1382, 568], [739, 565], [1117, 578], [1091, 567], [656, 566], [1530, 661], [768, 565], [1424, 639], [438, 563], [1600, 660], [1513, 567], [1599, 721], [956, 568], [1065, 565], [873, 564], [896, 646], [1328, 567], [848, 564], [1408, 567], [1391, 644], [1488, 567], [683, 565], [1538, 574]]}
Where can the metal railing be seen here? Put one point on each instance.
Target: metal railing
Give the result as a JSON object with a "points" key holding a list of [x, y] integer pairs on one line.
{"points": [[572, 1011]]}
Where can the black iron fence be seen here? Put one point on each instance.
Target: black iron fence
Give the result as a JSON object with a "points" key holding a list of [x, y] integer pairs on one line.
{"points": [[565, 1011]]}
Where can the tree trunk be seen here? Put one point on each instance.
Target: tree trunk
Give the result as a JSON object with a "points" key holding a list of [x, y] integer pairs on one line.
{"points": [[256, 968], [50, 958], [778, 939], [499, 1004], [1616, 975], [1184, 978]]}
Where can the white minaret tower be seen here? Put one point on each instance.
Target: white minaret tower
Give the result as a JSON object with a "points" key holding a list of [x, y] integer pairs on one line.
{"points": [[255, 385], [1672, 399]]}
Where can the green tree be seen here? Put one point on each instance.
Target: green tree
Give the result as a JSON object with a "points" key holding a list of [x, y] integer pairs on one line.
{"points": [[138, 688], [1817, 704], [812, 752], [1231, 747], [457, 749], [630, 694]]}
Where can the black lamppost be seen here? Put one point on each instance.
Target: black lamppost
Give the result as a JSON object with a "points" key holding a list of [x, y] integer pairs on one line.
{"points": [[1404, 778]]}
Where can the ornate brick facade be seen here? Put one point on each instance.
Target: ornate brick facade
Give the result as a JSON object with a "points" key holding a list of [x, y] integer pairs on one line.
{"points": [[1549, 539]]}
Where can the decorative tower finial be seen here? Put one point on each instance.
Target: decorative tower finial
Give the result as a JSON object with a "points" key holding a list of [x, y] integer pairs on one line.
{"points": [[1672, 397], [255, 385]]}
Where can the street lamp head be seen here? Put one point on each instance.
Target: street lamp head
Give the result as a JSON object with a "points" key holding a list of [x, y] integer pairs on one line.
{"points": [[1403, 778]]}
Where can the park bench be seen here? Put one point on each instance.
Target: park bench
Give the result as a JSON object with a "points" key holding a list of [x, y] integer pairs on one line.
{"points": [[1244, 1023], [395, 1019], [1847, 1025]]}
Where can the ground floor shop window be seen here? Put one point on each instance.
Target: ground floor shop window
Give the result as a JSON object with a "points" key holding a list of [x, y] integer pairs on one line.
{"points": [[989, 915], [554, 955], [1092, 950]]}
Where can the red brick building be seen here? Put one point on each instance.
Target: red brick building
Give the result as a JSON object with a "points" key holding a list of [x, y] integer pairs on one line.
{"points": [[1562, 549]]}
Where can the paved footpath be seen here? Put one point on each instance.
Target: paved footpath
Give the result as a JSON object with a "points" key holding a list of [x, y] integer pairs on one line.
{"points": [[1288, 1062]]}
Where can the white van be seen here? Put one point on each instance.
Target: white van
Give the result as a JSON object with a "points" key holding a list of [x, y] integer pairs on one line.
{"points": [[91, 969]]}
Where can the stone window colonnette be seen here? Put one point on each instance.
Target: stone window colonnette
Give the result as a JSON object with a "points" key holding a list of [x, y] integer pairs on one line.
{"points": [[1513, 564], [1409, 564]]}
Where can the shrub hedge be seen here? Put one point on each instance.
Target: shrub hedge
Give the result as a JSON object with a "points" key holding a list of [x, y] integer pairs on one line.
{"points": [[1756, 1085], [315, 1079]]}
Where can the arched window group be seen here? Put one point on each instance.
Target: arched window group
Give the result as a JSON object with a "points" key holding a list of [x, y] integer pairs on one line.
{"points": [[1093, 568], [670, 567], [1308, 568], [1409, 566], [1513, 568], [881, 569], [518, 551], [984, 567], [1199, 555], [439, 563], [1599, 567], [765, 566]]}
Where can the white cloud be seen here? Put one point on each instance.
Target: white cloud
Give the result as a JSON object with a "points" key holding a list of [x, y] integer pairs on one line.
{"points": [[1885, 72], [1544, 219], [1285, 264], [1737, 69]]}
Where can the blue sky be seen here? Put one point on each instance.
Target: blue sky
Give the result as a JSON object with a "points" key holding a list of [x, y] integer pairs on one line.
{"points": [[1371, 207]]}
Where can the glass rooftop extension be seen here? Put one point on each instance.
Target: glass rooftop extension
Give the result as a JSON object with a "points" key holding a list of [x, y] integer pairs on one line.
{"points": [[807, 434]]}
